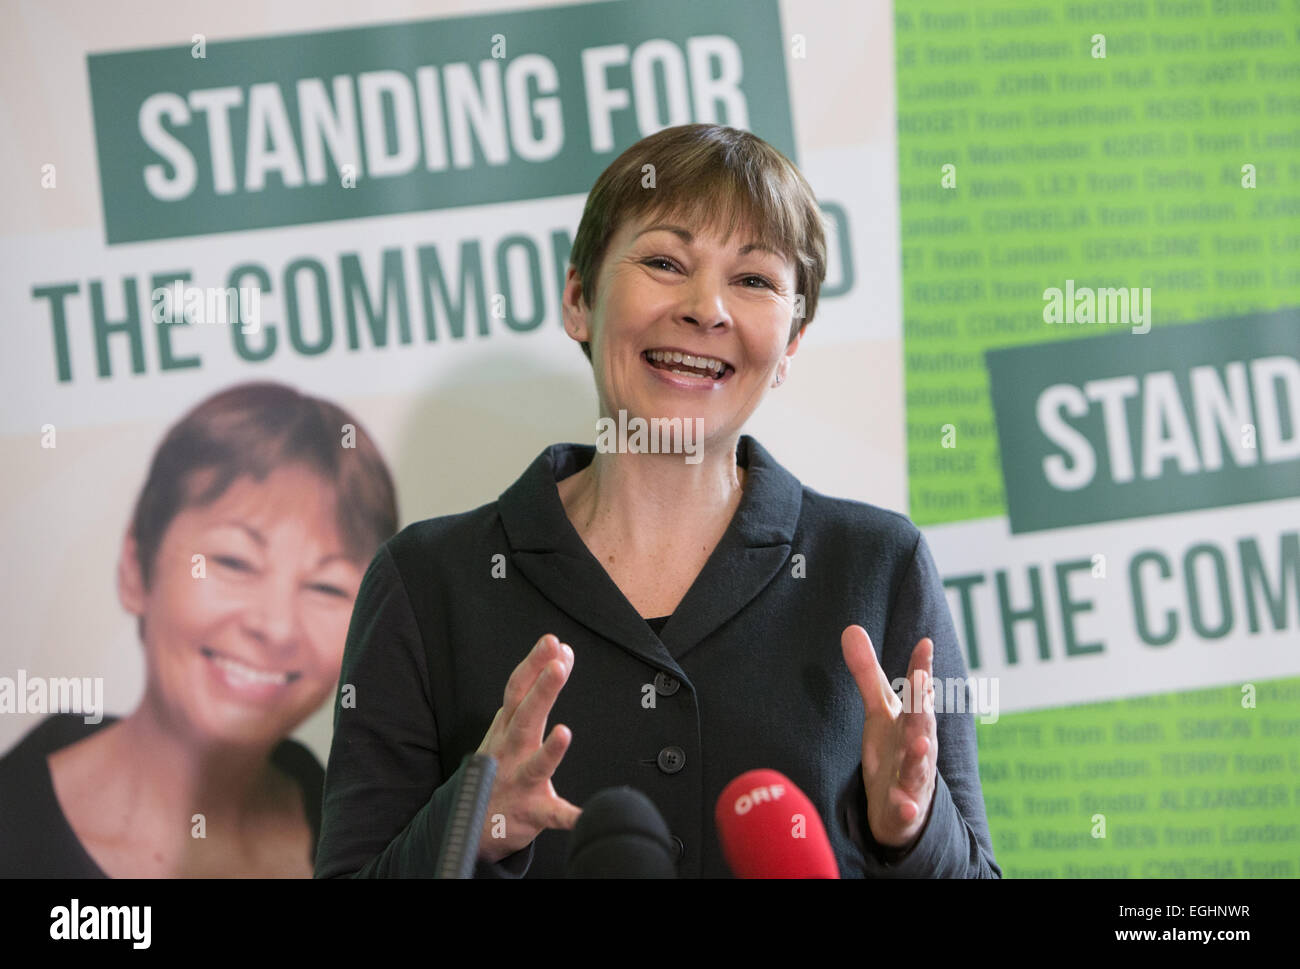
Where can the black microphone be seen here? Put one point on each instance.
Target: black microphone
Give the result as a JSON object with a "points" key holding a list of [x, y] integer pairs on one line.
{"points": [[459, 851], [621, 834]]}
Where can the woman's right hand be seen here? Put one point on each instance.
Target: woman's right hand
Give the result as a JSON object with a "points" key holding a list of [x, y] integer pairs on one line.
{"points": [[522, 792]]}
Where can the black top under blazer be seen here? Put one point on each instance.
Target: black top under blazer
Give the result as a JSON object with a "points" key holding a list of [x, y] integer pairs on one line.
{"points": [[748, 673], [36, 839]]}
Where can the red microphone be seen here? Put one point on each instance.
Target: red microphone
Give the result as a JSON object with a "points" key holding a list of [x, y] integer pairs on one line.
{"points": [[769, 829]]}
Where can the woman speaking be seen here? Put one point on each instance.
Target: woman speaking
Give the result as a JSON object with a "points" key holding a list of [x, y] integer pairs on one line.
{"points": [[681, 621]]}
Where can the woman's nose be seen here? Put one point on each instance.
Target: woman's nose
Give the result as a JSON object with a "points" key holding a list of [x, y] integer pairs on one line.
{"points": [[273, 616], [705, 301]]}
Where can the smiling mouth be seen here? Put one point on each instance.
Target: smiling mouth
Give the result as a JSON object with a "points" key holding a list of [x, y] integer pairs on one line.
{"points": [[243, 673], [688, 365]]}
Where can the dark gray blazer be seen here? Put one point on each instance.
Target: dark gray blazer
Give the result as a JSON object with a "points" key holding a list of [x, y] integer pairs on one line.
{"points": [[748, 673]]}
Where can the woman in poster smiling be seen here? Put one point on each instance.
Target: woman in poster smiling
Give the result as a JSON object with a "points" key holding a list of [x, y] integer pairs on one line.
{"points": [[240, 645]]}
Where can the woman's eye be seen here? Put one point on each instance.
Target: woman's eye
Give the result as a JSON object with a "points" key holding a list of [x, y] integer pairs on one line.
{"points": [[330, 590], [230, 562], [658, 260]]}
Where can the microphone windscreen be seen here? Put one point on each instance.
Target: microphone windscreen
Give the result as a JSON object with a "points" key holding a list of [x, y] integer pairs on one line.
{"points": [[770, 829], [459, 850], [621, 834]]}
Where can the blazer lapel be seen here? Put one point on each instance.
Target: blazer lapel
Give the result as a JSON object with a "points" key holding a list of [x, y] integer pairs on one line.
{"points": [[552, 556], [547, 550], [753, 549]]}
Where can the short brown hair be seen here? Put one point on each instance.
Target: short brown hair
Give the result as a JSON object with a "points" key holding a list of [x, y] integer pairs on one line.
{"points": [[253, 429], [708, 174]]}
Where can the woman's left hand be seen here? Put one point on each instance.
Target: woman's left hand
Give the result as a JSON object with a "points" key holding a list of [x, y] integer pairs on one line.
{"points": [[899, 746]]}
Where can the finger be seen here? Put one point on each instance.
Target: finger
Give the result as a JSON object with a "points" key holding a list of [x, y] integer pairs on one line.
{"points": [[920, 669], [922, 656], [525, 674], [904, 806], [914, 771], [918, 724], [563, 815], [528, 726], [860, 657], [539, 767], [522, 677], [920, 699]]}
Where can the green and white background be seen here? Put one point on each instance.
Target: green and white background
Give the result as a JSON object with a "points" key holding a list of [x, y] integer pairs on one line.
{"points": [[1116, 514]]}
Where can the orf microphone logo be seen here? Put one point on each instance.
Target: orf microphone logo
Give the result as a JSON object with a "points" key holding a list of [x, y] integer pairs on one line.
{"points": [[759, 795], [768, 828]]}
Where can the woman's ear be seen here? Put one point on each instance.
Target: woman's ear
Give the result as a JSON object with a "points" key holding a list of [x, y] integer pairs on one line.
{"points": [[793, 346], [575, 311], [130, 580], [783, 365]]}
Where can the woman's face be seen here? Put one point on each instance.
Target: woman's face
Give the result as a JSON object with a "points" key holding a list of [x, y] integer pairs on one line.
{"points": [[244, 644], [683, 290]]}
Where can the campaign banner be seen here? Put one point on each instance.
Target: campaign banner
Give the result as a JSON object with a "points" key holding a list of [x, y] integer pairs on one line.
{"points": [[251, 236], [340, 124], [1100, 229], [1199, 416]]}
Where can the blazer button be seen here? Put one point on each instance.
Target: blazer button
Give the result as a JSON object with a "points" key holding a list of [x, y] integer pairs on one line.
{"points": [[680, 845], [666, 684], [672, 759]]}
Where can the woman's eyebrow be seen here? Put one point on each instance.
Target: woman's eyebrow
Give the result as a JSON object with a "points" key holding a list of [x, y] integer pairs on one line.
{"points": [[686, 237], [243, 526], [257, 537], [330, 558]]}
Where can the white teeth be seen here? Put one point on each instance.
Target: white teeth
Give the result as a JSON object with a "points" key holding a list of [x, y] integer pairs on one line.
{"points": [[673, 356], [247, 674]]}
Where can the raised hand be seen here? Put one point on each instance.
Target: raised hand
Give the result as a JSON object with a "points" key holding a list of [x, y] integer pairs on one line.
{"points": [[900, 747], [522, 791]]}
